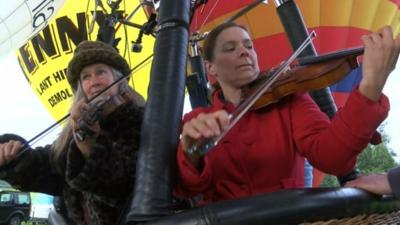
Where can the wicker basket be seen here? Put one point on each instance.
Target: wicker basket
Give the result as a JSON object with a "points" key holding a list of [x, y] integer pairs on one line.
{"points": [[372, 219]]}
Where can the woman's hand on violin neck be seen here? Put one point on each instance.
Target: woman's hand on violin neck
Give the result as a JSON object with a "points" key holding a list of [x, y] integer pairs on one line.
{"points": [[380, 57], [204, 126], [76, 113], [85, 145], [8, 151], [77, 108]]}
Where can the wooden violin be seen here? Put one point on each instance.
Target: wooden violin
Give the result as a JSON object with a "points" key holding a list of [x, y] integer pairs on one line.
{"points": [[317, 72], [100, 109]]}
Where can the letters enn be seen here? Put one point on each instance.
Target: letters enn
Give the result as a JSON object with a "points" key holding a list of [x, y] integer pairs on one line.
{"points": [[44, 43]]}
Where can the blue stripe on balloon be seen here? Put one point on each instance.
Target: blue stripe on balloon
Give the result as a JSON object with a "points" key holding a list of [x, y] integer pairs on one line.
{"points": [[349, 82]]}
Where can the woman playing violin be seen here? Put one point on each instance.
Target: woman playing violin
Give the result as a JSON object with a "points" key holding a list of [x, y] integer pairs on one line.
{"points": [[265, 150], [94, 175]]}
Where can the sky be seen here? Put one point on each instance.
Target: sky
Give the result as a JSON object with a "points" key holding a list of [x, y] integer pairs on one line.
{"points": [[23, 113]]}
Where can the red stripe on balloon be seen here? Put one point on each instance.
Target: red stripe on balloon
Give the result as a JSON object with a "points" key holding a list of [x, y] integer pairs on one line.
{"points": [[272, 50], [340, 98], [217, 9], [337, 38], [397, 2]]}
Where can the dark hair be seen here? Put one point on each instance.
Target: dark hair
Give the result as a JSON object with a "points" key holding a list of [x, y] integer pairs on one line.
{"points": [[209, 42]]}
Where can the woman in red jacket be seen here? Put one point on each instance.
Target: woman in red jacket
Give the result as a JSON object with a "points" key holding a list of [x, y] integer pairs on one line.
{"points": [[263, 151]]}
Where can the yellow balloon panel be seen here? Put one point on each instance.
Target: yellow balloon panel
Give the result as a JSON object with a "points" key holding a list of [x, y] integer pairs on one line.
{"points": [[45, 57]]}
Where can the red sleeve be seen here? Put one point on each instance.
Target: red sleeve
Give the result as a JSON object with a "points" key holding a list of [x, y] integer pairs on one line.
{"points": [[190, 180], [333, 146]]}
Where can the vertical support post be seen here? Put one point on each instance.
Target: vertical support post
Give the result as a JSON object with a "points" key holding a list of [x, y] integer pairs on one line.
{"points": [[156, 162], [196, 82]]}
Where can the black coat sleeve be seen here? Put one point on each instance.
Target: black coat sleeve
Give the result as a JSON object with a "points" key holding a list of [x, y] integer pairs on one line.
{"points": [[34, 171]]}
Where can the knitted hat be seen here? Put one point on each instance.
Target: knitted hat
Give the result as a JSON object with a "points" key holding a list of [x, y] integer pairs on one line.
{"points": [[90, 52]]}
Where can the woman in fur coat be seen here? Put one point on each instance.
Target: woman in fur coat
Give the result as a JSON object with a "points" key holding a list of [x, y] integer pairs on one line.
{"points": [[91, 164]]}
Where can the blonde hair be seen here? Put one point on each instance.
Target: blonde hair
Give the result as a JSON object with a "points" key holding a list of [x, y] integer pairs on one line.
{"points": [[61, 143]]}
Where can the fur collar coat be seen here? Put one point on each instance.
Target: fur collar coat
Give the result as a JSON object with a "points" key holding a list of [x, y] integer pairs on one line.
{"points": [[95, 190]]}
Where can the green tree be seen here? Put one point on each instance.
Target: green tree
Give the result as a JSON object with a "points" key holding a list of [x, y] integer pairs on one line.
{"points": [[374, 159]]}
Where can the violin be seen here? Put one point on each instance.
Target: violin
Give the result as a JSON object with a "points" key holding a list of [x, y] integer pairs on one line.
{"points": [[99, 109], [316, 72]]}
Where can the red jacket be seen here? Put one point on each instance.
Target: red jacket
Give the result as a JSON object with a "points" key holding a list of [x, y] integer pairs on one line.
{"points": [[264, 151]]}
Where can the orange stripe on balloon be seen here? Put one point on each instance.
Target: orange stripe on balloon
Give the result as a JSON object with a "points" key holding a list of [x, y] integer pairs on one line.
{"points": [[318, 177], [257, 23], [214, 9], [260, 24], [311, 12], [274, 49], [263, 20], [334, 13], [370, 15]]}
